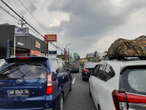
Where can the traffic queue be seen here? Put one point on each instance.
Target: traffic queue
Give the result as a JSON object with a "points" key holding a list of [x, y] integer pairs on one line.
{"points": [[116, 81]]}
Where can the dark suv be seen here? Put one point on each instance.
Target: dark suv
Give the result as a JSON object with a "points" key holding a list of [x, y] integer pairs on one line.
{"points": [[33, 83]]}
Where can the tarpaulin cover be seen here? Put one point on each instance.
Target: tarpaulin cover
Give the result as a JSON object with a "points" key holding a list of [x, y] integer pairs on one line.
{"points": [[128, 48]]}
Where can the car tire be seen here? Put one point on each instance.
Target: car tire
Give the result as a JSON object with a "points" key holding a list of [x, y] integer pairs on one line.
{"points": [[83, 79], [89, 91], [59, 103], [70, 89], [99, 108]]}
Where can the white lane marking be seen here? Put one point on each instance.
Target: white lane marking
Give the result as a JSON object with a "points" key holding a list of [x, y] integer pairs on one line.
{"points": [[73, 82]]}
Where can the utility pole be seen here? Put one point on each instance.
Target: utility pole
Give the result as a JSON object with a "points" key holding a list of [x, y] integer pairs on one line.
{"points": [[8, 48], [68, 54], [22, 23], [14, 45]]}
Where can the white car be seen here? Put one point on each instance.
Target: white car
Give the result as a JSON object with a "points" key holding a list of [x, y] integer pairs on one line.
{"points": [[119, 85]]}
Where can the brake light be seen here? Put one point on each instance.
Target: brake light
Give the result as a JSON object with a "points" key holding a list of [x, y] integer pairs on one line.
{"points": [[23, 58], [86, 70], [122, 99], [117, 99], [50, 88]]}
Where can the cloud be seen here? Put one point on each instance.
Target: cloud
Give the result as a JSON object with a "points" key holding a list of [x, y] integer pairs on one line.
{"points": [[51, 19], [132, 29], [87, 24]]}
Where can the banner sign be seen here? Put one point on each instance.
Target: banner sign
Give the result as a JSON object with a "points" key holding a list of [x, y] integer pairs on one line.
{"points": [[50, 37], [34, 52], [21, 31], [52, 52]]}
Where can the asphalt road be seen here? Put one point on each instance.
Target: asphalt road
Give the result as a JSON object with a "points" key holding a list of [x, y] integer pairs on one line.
{"points": [[78, 98]]}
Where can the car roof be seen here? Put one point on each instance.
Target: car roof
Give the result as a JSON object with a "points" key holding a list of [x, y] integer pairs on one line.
{"points": [[119, 65]]}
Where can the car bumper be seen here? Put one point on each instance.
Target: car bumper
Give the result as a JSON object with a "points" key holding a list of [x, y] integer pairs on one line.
{"points": [[85, 77], [48, 105]]}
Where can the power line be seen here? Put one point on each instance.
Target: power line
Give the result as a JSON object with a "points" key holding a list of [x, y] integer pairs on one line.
{"points": [[9, 7], [21, 17], [57, 46], [36, 21], [29, 12], [8, 13]]}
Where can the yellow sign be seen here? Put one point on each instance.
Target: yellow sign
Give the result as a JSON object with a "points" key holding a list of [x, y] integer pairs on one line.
{"points": [[84, 59], [50, 37]]}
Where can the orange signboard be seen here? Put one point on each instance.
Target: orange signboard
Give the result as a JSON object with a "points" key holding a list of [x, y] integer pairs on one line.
{"points": [[34, 52], [50, 37]]}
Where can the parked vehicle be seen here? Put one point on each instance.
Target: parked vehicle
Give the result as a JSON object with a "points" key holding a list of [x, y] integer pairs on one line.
{"points": [[119, 85], [87, 69], [33, 83]]}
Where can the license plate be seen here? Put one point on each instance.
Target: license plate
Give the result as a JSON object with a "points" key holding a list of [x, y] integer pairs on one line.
{"points": [[18, 92]]}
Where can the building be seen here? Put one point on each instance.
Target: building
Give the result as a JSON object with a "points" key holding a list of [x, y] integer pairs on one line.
{"points": [[24, 45]]}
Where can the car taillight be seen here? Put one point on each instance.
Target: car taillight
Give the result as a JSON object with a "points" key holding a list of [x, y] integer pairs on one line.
{"points": [[122, 99], [86, 70], [50, 88]]}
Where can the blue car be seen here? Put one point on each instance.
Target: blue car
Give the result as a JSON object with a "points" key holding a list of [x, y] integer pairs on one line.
{"points": [[33, 83]]}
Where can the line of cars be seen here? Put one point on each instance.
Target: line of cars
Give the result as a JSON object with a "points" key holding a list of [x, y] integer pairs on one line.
{"points": [[119, 85], [33, 83]]}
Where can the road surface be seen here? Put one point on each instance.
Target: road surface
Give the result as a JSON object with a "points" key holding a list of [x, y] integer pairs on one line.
{"points": [[78, 98]]}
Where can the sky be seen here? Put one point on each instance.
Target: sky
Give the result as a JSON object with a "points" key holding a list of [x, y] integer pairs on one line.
{"points": [[82, 25]]}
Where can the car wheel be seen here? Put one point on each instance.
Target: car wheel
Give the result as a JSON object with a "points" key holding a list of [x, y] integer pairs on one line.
{"points": [[89, 91], [99, 107], [59, 103], [70, 89], [90, 94], [83, 79]]}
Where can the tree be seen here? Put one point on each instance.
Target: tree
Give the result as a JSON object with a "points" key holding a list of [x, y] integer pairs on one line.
{"points": [[76, 56]]}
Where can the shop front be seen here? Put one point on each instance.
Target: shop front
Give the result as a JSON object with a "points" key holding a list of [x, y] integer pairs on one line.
{"points": [[12, 45]]}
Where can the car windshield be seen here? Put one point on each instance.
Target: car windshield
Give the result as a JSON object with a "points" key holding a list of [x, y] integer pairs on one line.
{"points": [[22, 71], [134, 80]]}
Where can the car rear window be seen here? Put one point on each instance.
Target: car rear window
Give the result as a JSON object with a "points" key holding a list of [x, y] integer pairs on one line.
{"points": [[133, 79], [26, 71]]}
